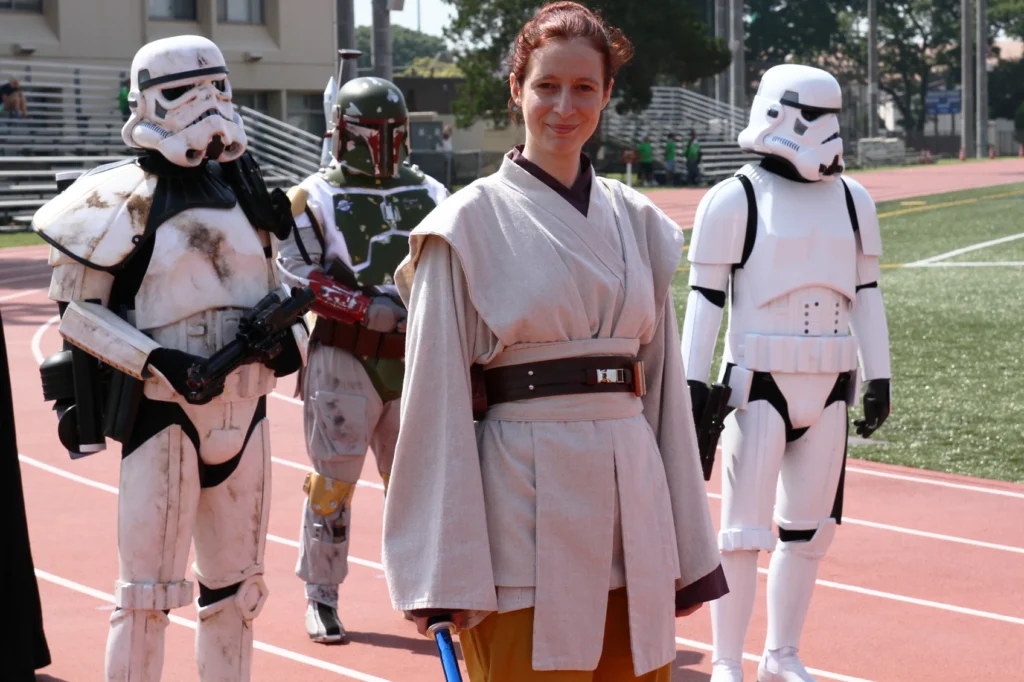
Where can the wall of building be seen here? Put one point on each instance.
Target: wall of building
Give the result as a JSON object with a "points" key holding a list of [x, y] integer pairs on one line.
{"points": [[291, 52]]}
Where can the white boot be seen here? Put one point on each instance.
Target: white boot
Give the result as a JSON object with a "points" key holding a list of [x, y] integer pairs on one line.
{"points": [[727, 670], [791, 577], [782, 665], [224, 633], [135, 646]]}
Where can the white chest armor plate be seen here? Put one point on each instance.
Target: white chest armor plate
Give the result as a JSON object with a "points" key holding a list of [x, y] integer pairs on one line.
{"points": [[791, 302], [203, 259]]}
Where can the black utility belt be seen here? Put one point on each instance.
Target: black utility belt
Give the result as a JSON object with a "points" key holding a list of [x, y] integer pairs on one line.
{"points": [[564, 376]]}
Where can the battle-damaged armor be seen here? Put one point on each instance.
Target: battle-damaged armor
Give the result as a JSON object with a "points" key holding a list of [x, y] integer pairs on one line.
{"points": [[352, 222], [175, 328]]}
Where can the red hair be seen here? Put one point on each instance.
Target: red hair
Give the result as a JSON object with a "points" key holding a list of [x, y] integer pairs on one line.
{"points": [[568, 21]]}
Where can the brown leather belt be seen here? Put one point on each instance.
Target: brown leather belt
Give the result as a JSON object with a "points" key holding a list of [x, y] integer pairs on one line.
{"points": [[359, 340], [565, 376]]}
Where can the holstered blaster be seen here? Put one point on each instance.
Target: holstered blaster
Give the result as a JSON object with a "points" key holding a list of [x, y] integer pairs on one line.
{"points": [[261, 333], [712, 422]]}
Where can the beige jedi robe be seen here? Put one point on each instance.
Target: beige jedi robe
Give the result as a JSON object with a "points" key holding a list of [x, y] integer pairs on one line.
{"points": [[548, 502]]}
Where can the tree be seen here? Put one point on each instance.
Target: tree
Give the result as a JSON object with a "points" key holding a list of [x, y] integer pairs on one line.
{"points": [[919, 45], [428, 67], [1008, 15], [671, 41], [407, 46], [1006, 89], [780, 29]]}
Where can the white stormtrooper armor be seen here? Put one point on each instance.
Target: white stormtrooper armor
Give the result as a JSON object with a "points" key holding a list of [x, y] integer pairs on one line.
{"points": [[155, 263], [796, 246]]}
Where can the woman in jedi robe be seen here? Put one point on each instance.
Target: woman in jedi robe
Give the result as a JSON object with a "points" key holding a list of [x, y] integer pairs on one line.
{"points": [[568, 527]]}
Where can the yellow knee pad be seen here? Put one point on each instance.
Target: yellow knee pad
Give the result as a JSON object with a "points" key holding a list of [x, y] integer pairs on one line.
{"points": [[326, 495]]}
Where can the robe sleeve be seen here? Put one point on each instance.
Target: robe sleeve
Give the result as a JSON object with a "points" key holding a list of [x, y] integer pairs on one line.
{"points": [[436, 550], [667, 409]]}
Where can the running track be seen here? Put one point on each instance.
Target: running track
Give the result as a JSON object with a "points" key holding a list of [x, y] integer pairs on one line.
{"points": [[922, 582]]}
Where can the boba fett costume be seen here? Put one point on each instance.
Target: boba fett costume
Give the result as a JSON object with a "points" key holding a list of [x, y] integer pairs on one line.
{"points": [[353, 220]]}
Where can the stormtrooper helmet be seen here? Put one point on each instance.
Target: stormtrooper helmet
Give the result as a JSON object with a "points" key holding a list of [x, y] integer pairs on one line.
{"points": [[794, 117], [180, 100]]}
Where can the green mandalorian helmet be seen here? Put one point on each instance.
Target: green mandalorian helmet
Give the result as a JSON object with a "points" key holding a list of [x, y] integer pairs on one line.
{"points": [[370, 127]]}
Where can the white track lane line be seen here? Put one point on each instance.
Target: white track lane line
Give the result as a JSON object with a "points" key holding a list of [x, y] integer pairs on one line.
{"points": [[376, 565], [942, 484], [10, 297], [22, 278], [967, 249], [191, 624], [355, 560]]}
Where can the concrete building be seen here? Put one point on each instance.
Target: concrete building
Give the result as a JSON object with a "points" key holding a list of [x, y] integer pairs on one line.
{"points": [[280, 55]]}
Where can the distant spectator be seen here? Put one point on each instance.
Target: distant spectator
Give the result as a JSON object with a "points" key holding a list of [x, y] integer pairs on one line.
{"points": [[448, 147], [645, 155], [693, 158], [122, 99], [13, 99], [670, 158]]}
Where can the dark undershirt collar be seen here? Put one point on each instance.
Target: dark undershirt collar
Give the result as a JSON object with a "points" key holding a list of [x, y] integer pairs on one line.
{"points": [[578, 195]]}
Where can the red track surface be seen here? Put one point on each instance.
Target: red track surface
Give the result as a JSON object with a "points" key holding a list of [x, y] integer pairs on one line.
{"points": [[922, 582], [884, 185]]}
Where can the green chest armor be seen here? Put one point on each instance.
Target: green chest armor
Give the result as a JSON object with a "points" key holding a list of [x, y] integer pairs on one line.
{"points": [[376, 228]]}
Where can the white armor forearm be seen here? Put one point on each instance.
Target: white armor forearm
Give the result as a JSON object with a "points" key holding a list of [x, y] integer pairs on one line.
{"points": [[291, 264], [104, 335], [703, 319], [872, 332]]}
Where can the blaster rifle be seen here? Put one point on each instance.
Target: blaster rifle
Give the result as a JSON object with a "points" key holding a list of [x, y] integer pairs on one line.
{"points": [[261, 334], [712, 422]]}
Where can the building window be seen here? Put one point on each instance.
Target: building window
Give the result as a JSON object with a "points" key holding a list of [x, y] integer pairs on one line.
{"points": [[306, 111], [21, 5], [256, 99], [240, 11], [182, 10]]}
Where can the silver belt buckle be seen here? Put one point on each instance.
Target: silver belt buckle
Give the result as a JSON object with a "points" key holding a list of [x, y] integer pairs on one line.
{"points": [[611, 376]]}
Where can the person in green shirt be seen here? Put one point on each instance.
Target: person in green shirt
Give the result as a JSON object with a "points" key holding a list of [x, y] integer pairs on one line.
{"points": [[693, 158], [670, 159], [122, 100], [645, 154]]}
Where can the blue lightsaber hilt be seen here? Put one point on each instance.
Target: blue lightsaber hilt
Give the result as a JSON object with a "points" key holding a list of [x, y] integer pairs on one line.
{"points": [[441, 629]]}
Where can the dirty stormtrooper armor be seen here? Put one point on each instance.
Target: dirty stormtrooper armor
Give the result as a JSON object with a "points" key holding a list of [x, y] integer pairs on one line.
{"points": [[794, 247], [353, 220], [155, 261]]}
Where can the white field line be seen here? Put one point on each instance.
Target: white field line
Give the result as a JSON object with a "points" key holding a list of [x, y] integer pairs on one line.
{"points": [[376, 565], [966, 249], [20, 294], [191, 624]]}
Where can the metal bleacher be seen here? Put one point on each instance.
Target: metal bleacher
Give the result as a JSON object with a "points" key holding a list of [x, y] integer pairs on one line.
{"points": [[74, 123], [679, 110]]}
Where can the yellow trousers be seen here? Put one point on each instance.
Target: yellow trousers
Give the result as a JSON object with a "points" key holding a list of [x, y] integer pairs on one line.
{"points": [[500, 649]]}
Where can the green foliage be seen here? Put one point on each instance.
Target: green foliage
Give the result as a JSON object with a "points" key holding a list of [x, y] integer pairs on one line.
{"points": [[670, 41], [918, 42], [777, 29], [1008, 15], [1006, 89], [407, 46], [428, 67]]}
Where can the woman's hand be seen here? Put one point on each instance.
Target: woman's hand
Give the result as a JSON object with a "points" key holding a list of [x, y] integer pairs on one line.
{"points": [[458, 617], [683, 613]]}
